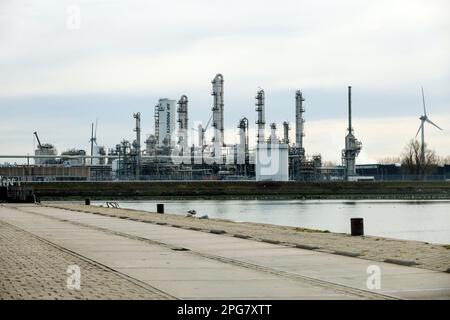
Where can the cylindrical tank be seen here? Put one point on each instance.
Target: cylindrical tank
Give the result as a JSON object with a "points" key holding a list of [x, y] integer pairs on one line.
{"points": [[45, 150], [272, 162], [73, 161], [98, 151]]}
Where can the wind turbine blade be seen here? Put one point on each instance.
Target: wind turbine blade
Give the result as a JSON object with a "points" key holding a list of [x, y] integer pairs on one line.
{"points": [[423, 101], [432, 123], [420, 128]]}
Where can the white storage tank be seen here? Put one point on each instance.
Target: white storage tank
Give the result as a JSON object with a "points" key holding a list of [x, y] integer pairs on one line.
{"points": [[166, 121], [115, 165], [98, 151], [45, 150], [73, 161], [272, 162]]}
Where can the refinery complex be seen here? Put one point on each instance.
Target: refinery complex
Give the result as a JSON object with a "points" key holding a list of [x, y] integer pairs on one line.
{"points": [[169, 153]]}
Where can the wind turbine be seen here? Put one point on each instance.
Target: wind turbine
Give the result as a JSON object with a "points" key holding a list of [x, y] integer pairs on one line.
{"points": [[424, 118]]}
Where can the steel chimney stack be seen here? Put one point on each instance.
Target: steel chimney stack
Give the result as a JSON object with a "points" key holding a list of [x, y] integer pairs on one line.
{"points": [[350, 129]]}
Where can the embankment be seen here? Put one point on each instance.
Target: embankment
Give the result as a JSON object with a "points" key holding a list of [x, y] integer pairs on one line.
{"points": [[241, 190]]}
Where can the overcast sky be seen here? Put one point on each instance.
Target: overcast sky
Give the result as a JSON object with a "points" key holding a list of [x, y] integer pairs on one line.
{"points": [[56, 78]]}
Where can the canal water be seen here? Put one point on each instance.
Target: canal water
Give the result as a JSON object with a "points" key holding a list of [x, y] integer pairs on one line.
{"points": [[427, 221]]}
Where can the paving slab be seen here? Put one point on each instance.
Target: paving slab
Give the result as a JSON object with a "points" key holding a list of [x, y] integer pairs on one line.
{"points": [[210, 251], [34, 269], [213, 280]]}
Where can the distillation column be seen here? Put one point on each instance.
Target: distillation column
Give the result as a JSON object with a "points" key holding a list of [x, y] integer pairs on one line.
{"points": [[286, 132], [261, 122], [218, 110], [299, 122], [273, 133], [137, 143], [183, 124], [157, 124], [242, 149]]}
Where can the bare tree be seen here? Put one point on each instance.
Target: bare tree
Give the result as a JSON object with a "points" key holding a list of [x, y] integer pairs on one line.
{"points": [[444, 160], [412, 159]]}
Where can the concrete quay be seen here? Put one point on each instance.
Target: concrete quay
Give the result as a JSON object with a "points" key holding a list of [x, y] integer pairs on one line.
{"points": [[405, 252], [126, 259]]}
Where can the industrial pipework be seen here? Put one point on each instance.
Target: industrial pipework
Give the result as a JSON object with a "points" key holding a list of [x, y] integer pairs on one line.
{"points": [[260, 109], [218, 110]]}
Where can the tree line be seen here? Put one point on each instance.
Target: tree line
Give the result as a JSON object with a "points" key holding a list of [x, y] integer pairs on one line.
{"points": [[413, 162]]}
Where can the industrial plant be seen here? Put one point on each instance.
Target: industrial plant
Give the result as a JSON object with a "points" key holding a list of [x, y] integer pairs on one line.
{"points": [[170, 153]]}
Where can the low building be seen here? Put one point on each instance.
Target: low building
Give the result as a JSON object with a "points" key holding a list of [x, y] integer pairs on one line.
{"points": [[46, 173]]}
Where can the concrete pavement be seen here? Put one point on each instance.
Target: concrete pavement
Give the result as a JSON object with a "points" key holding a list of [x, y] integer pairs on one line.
{"points": [[31, 268], [196, 265]]}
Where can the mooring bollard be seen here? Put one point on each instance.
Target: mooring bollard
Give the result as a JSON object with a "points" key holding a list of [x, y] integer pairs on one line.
{"points": [[357, 226], [160, 208], [87, 202]]}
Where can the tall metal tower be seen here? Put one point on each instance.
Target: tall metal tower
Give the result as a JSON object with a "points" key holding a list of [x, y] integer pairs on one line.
{"points": [[424, 118], [299, 122], [242, 151], [137, 143], [260, 109], [286, 129], [352, 146], [218, 110], [183, 124]]}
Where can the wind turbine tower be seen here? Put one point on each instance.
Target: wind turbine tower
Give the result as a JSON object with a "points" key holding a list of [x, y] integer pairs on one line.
{"points": [[93, 139], [424, 118]]}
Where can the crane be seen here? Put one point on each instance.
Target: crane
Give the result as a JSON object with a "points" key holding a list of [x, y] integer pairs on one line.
{"points": [[37, 138]]}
